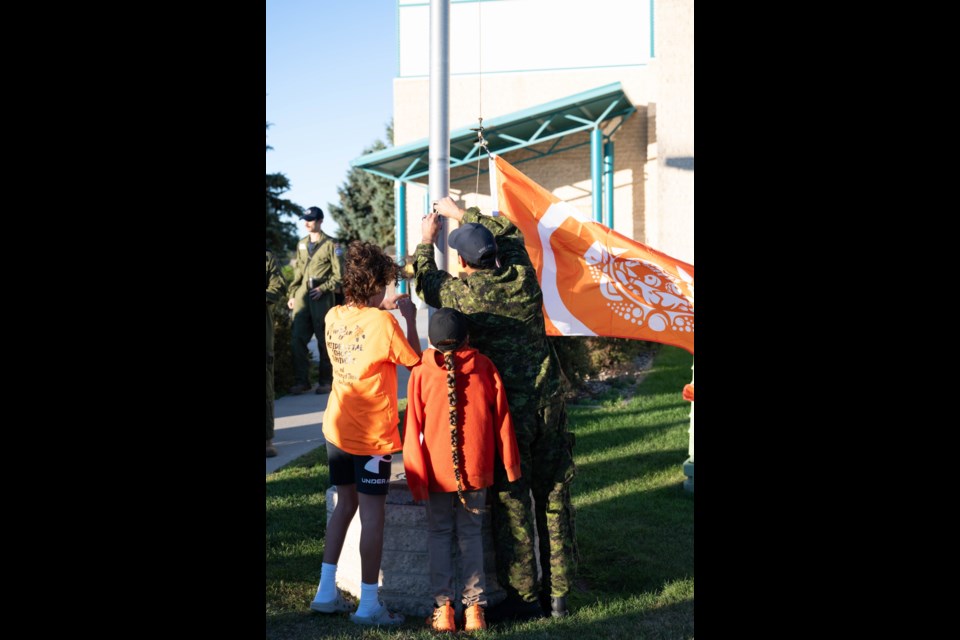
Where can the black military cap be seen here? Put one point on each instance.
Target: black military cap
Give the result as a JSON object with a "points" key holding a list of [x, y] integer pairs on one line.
{"points": [[312, 213]]}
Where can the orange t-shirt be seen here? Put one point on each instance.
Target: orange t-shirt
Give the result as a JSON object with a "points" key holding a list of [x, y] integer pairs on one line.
{"points": [[365, 346]]}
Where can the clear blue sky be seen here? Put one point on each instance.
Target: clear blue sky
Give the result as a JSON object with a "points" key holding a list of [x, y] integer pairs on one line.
{"points": [[330, 70]]}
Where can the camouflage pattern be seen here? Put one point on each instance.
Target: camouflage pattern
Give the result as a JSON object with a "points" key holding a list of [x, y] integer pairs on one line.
{"points": [[504, 307], [326, 269], [276, 291]]}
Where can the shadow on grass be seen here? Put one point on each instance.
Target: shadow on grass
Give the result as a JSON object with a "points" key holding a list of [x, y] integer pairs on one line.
{"points": [[589, 441], [296, 519], [298, 486], [609, 620], [615, 618], [592, 476], [632, 543], [309, 460]]}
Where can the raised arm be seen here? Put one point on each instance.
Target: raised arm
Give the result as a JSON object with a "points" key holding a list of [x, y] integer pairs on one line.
{"points": [[408, 310], [510, 248], [428, 279]]}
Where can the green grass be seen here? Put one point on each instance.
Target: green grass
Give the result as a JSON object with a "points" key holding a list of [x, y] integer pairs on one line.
{"points": [[634, 527]]}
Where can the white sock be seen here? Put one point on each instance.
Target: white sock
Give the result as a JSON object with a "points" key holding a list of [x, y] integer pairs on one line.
{"points": [[327, 591], [369, 600]]}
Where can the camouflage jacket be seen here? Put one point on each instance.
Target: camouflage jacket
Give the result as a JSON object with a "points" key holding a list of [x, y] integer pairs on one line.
{"points": [[505, 309]]}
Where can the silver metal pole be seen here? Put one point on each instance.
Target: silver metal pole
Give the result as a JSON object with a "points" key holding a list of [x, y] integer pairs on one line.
{"points": [[400, 236], [439, 115]]}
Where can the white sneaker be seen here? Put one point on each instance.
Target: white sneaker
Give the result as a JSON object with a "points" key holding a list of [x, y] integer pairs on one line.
{"points": [[381, 616], [336, 605]]}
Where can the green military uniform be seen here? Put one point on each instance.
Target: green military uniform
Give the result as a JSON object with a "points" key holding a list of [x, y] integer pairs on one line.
{"points": [[276, 288], [326, 268], [504, 307]]}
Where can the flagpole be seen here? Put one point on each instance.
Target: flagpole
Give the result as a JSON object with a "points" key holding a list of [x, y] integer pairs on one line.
{"points": [[439, 177]]}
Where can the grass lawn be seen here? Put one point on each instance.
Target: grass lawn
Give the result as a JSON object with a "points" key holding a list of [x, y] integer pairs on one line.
{"points": [[634, 527]]}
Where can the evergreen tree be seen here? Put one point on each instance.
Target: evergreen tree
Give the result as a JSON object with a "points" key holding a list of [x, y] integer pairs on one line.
{"points": [[366, 209], [281, 234]]}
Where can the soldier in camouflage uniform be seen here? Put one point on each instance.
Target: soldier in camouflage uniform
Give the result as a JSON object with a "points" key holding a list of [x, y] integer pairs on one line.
{"points": [[504, 305], [316, 275], [276, 288]]}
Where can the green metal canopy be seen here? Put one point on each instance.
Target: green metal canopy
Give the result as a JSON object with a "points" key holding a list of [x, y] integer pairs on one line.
{"points": [[551, 121]]}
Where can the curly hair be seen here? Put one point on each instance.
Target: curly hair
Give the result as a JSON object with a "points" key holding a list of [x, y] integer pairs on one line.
{"points": [[367, 270]]}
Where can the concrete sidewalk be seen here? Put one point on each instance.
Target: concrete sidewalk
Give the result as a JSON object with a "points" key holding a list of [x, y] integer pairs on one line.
{"points": [[298, 420]]}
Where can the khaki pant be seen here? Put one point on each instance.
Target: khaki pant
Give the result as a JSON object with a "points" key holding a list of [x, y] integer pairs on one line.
{"points": [[447, 519]]}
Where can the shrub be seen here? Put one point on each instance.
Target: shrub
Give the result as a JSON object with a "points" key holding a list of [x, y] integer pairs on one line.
{"points": [[590, 358], [282, 355], [282, 331]]}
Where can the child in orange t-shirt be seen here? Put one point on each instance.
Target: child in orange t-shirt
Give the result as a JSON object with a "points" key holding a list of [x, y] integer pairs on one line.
{"points": [[360, 421], [457, 424]]}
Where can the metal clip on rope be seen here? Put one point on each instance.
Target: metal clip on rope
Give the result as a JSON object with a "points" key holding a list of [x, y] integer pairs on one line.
{"points": [[480, 140]]}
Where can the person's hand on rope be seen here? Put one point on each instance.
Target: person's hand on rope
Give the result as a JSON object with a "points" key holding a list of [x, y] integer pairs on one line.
{"points": [[448, 208]]}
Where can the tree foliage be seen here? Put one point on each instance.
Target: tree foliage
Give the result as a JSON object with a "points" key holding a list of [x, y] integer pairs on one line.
{"points": [[281, 234], [366, 209]]}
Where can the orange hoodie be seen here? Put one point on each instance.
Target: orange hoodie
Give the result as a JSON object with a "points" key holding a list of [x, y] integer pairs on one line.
{"points": [[484, 423]]}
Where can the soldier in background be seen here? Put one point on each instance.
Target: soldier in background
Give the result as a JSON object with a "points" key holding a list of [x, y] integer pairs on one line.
{"points": [[501, 297], [276, 288], [316, 275]]}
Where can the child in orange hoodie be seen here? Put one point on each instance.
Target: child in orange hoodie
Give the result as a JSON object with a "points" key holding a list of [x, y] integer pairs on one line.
{"points": [[457, 421]]}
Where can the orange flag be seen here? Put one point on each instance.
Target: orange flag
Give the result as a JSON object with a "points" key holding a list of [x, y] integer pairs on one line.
{"points": [[595, 281]]}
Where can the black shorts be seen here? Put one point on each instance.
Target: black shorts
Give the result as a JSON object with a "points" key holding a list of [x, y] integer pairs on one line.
{"points": [[371, 474]]}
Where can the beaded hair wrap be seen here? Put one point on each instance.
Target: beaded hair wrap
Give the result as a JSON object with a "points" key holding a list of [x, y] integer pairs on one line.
{"points": [[454, 440]]}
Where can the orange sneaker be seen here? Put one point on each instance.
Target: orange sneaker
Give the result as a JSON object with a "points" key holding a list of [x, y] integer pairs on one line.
{"points": [[473, 619], [443, 619]]}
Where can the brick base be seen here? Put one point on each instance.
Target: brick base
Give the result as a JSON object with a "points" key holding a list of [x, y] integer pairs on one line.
{"points": [[405, 568]]}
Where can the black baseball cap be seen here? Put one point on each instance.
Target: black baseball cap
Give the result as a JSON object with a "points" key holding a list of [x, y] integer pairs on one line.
{"points": [[448, 329], [312, 213], [475, 243]]}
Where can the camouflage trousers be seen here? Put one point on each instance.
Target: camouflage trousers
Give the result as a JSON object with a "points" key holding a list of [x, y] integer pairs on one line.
{"points": [[546, 462]]}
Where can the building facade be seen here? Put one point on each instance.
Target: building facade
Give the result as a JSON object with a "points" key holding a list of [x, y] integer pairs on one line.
{"points": [[520, 63]]}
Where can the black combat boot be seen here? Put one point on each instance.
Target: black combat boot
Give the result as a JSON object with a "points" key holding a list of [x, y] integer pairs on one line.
{"points": [[514, 608]]}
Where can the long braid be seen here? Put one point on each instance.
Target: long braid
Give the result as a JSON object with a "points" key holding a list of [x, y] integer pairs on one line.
{"points": [[454, 443]]}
